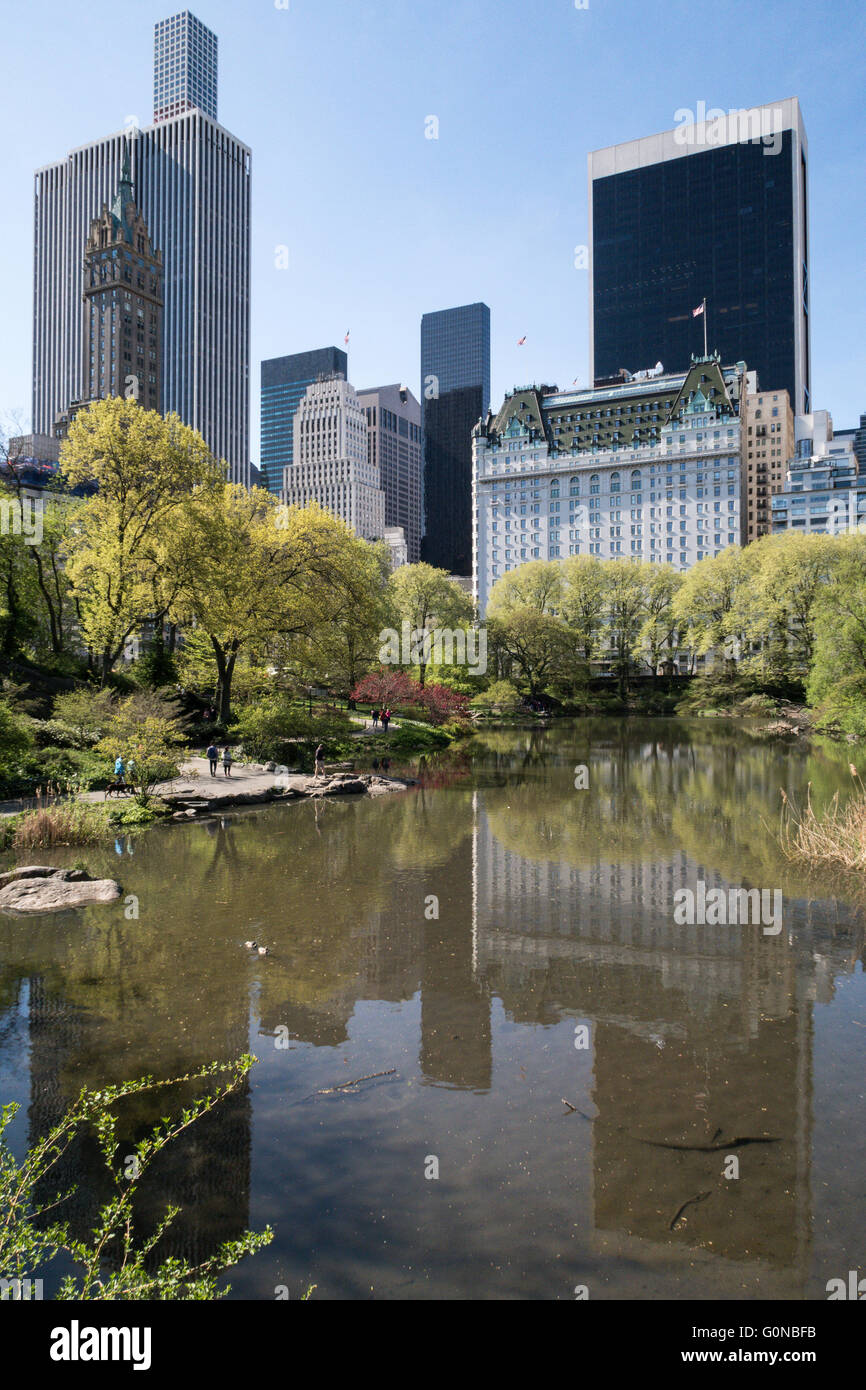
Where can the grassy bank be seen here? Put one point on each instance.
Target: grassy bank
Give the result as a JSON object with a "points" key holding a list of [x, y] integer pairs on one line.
{"points": [[70, 822]]}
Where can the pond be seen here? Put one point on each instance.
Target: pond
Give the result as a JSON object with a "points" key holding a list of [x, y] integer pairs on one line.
{"points": [[557, 1072]]}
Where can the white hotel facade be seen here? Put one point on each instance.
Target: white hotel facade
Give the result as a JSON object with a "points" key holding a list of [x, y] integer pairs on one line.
{"points": [[644, 469]]}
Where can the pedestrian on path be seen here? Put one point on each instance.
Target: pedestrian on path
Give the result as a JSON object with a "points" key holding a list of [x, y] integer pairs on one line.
{"points": [[319, 764], [227, 761], [386, 719], [212, 756], [374, 715]]}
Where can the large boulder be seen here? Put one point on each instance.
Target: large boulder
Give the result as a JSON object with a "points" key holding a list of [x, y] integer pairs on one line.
{"points": [[44, 888]]}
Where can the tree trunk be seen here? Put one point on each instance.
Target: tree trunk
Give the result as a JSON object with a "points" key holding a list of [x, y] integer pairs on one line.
{"points": [[225, 662]]}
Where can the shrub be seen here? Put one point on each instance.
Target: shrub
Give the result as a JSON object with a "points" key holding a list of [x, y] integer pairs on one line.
{"points": [[71, 767], [85, 712], [269, 730], [500, 695], [755, 705], [56, 733], [107, 1264], [143, 734]]}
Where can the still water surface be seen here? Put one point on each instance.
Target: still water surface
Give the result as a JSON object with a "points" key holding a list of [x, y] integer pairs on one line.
{"points": [[555, 911]]}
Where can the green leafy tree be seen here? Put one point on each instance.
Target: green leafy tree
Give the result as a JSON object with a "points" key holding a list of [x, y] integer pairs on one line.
{"points": [[659, 634], [625, 611], [426, 598], [251, 574], [584, 602], [146, 469]]}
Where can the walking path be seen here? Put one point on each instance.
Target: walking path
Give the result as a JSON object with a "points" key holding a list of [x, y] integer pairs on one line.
{"points": [[251, 782]]}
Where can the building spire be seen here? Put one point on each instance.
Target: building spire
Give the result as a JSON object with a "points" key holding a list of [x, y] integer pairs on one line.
{"points": [[126, 190]]}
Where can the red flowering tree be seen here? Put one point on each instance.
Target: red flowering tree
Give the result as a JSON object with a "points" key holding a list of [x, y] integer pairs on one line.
{"points": [[441, 703], [392, 688], [386, 686]]}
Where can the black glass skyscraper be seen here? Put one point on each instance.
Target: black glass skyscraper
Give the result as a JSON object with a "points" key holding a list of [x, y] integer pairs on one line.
{"points": [[284, 383], [704, 212], [455, 393]]}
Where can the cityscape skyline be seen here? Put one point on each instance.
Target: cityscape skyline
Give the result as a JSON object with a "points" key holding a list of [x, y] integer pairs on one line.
{"points": [[467, 265]]}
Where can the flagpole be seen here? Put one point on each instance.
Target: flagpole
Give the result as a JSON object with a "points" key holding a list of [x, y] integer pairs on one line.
{"points": [[705, 327]]}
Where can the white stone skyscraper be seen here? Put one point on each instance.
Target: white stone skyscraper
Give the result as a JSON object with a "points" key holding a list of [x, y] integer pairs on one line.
{"points": [[192, 182], [331, 464]]}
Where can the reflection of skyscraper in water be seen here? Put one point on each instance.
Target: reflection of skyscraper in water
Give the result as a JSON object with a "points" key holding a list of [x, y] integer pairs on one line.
{"points": [[455, 1003], [205, 1171], [699, 1035]]}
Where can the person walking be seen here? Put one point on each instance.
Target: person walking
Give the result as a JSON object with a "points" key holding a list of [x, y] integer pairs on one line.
{"points": [[374, 715], [319, 761], [386, 719], [118, 784], [212, 756], [227, 761]]}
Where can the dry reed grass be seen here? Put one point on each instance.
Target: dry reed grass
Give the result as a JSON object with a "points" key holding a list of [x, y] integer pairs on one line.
{"points": [[835, 836]]}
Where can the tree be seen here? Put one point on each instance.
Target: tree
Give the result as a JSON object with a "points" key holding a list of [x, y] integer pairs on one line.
{"points": [[537, 646], [51, 603], [625, 609], [537, 585], [336, 655], [18, 587], [146, 469], [709, 601], [584, 599], [426, 597], [387, 686], [837, 680], [250, 574], [789, 576], [659, 634]]}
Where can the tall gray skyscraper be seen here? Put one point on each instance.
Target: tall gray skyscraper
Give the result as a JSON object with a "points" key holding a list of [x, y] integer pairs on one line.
{"points": [[717, 211], [394, 447], [192, 183], [184, 67], [455, 393]]}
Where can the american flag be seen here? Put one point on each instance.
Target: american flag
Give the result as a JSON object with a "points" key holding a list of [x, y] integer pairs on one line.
{"points": [[696, 313], [521, 341], [346, 339]]}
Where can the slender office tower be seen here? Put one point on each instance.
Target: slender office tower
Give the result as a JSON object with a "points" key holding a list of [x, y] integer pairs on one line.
{"points": [[455, 394], [704, 228], [192, 185]]}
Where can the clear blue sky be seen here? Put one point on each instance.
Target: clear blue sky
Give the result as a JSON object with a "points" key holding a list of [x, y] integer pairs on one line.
{"points": [[383, 224]]}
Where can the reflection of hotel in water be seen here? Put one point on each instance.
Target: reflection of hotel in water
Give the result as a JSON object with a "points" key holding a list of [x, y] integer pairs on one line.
{"points": [[698, 1034]]}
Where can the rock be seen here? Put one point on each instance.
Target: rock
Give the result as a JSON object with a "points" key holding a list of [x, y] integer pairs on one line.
{"points": [[344, 785], [29, 871], [40, 888]]}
